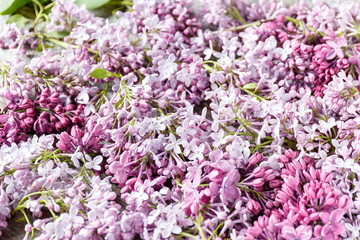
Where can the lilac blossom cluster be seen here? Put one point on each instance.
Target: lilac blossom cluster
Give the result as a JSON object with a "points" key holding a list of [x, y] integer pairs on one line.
{"points": [[229, 120]]}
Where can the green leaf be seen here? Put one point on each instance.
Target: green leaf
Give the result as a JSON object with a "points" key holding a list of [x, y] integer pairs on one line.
{"points": [[92, 4], [19, 19], [40, 47], [57, 34], [250, 86], [101, 73], [10, 6]]}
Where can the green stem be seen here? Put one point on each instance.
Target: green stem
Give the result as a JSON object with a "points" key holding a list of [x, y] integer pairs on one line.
{"points": [[122, 3], [259, 194], [40, 13], [198, 227], [216, 229], [59, 43], [207, 67], [8, 172], [28, 222], [188, 235], [253, 24], [252, 94], [49, 6], [299, 22], [19, 206], [244, 125]]}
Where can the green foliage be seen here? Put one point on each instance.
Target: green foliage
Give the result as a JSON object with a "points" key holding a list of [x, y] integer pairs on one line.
{"points": [[92, 4], [10, 6], [19, 19], [101, 74]]}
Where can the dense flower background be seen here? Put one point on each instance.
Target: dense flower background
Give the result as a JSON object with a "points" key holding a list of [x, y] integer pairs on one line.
{"points": [[224, 120]]}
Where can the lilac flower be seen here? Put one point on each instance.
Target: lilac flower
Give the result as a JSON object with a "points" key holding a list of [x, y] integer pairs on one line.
{"points": [[286, 50], [140, 196], [174, 145], [167, 67], [58, 227], [326, 126], [300, 233], [332, 221], [185, 76], [157, 125], [197, 152], [161, 67], [336, 48], [93, 163], [166, 228], [72, 216], [209, 51]]}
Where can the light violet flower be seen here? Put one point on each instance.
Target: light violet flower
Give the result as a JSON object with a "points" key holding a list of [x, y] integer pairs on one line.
{"points": [[93, 163], [332, 221], [300, 233], [72, 217], [174, 145], [336, 48], [326, 126], [140, 195], [185, 76], [197, 152], [167, 227], [167, 67], [209, 51]]}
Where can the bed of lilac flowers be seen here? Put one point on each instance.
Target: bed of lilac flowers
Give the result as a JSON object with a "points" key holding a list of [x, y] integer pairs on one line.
{"points": [[181, 119]]}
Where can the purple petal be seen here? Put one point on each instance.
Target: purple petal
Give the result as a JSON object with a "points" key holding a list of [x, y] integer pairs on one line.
{"points": [[336, 215], [331, 54], [338, 228], [325, 217]]}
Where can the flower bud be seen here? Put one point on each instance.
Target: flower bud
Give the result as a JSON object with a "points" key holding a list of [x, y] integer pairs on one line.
{"points": [[253, 206], [76, 132], [256, 158], [259, 182], [258, 172]]}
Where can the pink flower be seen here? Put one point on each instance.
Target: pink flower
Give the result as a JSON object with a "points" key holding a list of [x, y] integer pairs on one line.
{"points": [[228, 190], [336, 48], [300, 233], [332, 221], [319, 234]]}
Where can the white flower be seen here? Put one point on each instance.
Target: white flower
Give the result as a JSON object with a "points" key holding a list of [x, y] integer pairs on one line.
{"points": [[209, 51], [174, 145], [58, 227], [167, 67], [218, 138], [184, 130], [93, 163], [83, 96], [353, 229], [311, 131], [197, 152], [157, 125], [230, 45], [152, 22], [72, 217], [185, 76], [270, 44], [155, 213], [326, 126], [75, 157], [140, 196], [286, 50], [166, 228]]}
